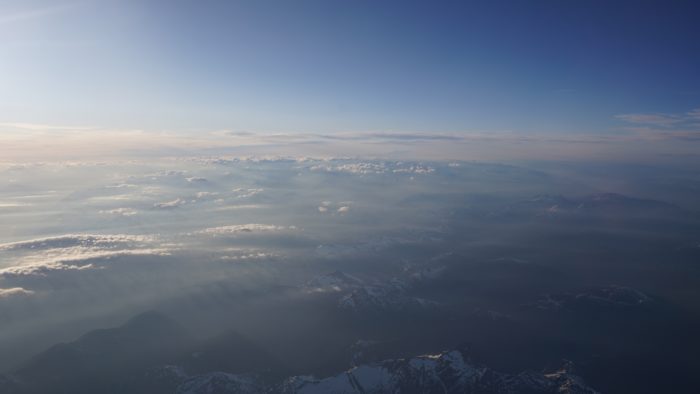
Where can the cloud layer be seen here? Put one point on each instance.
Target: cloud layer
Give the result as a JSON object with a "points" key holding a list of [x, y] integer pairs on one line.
{"points": [[635, 142]]}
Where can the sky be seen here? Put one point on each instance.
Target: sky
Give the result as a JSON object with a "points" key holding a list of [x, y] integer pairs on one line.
{"points": [[566, 69]]}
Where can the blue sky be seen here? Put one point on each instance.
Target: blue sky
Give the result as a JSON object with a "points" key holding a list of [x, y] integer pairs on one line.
{"points": [[564, 67]]}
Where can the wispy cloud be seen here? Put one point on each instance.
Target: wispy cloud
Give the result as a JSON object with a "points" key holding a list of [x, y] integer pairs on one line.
{"points": [[170, 204], [72, 240], [120, 211], [664, 120], [33, 13], [245, 228], [661, 119], [44, 127], [14, 291], [74, 252], [33, 142], [694, 114], [664, 126]]}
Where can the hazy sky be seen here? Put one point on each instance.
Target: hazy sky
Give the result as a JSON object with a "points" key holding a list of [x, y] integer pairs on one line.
{"points": [[327, 66]]}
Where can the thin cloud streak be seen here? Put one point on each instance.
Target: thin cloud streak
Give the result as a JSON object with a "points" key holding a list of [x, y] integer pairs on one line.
{"points": [[661, 119], [37, 143], [35, 13]]}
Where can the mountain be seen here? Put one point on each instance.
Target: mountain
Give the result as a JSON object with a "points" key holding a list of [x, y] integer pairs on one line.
{"points": [[102, 358], [356, 295], [447, 372], [336, 281], [8, 385], [150, 353], [153, 354], [222, 383], [233, 353], [597, 298], [601, 204], [391, 296]]}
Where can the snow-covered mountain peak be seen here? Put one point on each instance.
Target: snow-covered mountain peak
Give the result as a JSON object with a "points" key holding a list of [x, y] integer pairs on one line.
{"points": [[336, 281]]}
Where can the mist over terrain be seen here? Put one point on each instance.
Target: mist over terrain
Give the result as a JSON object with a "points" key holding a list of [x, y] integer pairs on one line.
{"points": [[267, 270]]}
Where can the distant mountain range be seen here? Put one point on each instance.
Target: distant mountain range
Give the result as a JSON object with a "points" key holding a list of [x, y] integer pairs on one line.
{"points": [[596, 204], [360, 296], [447, 372], [153, 354]]}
